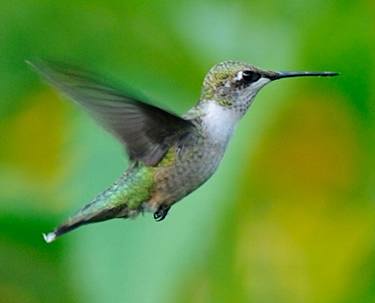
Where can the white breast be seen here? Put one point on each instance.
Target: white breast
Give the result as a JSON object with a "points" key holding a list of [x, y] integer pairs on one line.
{"points": [[219, 121]]}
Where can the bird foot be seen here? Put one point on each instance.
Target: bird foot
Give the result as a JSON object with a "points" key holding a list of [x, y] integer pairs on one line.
{"points": [[161, 212]]}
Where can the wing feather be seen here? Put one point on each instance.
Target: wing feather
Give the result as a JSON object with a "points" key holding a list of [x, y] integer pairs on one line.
{"points": [[146, 130]]}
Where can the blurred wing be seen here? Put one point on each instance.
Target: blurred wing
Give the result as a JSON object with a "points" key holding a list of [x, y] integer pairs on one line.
{"points": [[146, 131]]}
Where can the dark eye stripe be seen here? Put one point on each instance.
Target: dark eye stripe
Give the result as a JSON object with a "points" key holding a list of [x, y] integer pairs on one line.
{"points": [[250, 76]]}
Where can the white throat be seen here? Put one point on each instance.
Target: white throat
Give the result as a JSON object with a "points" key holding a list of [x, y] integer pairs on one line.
{"points": [[219, 121]]}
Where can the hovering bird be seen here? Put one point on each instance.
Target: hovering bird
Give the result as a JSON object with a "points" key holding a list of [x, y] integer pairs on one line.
{"points": [[170, 156]]}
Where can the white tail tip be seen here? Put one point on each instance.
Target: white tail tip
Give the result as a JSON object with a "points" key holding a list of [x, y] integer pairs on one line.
{"points": [[50, 237]]}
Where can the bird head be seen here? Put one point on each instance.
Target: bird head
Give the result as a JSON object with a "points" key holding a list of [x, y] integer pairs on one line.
{"points": [[234, 84]]}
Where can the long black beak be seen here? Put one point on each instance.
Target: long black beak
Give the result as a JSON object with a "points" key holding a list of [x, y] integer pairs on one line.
{"points": [[281, 75]]}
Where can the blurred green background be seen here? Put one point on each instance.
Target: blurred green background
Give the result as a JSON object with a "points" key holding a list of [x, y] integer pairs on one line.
{"points": [[289, 215]]}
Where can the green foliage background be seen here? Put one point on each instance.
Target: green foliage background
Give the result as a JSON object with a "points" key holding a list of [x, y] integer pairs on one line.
{"points": [[288, 217]]}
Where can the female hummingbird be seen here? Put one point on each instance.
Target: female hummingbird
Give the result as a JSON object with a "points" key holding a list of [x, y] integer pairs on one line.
{"points": [[170, 156]]}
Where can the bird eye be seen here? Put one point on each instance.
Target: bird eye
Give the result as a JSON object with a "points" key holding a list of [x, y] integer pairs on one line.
{"points": [[250, 76]]}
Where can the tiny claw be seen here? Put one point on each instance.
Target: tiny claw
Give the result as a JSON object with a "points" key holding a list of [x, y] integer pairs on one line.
{"points": [[161, 213]]}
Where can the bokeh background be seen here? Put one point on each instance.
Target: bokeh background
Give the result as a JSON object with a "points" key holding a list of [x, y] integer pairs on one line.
{"points": [[289, 215]]}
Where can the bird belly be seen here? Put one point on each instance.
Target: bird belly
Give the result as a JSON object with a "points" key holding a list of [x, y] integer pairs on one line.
{"points": [[188, 170]]}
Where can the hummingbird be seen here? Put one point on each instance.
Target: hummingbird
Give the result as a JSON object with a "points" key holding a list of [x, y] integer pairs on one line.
{"points": [[169, 155]]}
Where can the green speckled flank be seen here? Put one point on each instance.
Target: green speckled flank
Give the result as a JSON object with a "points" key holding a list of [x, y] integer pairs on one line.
{"points": [[128, 193], [169, 159], [134, 188]]}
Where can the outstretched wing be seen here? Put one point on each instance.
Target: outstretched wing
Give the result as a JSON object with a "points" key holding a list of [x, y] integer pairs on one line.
{"points": [[146, 131]]}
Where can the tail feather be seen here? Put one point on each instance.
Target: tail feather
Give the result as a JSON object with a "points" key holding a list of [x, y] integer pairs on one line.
{"points": [[112, 203], [84, 217]]}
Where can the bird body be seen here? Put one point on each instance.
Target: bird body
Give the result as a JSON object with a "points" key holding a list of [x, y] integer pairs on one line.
{"points": [[170, 156], [146, 188]]}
